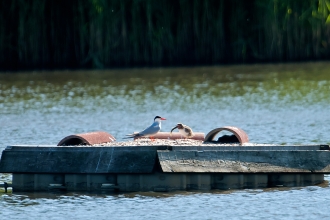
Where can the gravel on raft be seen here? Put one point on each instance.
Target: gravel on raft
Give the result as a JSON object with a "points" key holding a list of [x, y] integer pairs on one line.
{"points": [[178, 142]]}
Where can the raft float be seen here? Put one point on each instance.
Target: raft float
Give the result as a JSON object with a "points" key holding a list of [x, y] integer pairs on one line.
{"points": [[97, 162]]}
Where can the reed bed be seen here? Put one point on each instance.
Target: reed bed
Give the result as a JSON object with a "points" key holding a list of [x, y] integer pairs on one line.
{"points": [[52, 34]]}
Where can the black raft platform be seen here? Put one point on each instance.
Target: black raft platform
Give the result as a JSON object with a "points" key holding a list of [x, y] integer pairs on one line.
{"points": [[163, 168]]}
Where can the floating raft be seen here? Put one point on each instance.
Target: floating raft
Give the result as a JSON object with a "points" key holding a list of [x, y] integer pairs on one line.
{"points": [[163, 167], [96, 162]]}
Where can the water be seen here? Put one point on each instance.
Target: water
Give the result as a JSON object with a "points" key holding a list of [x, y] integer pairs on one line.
{"points": [[281, 104], [279, 203]]}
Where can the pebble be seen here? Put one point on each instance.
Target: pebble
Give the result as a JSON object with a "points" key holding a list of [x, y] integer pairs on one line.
{"points": [[168, 142]]}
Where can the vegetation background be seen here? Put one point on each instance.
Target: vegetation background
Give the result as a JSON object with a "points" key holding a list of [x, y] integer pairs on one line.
{"points": [[55, 34]]}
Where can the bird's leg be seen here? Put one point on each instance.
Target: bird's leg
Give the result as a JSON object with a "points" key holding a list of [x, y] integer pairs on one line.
{"points": [[151, 138]]}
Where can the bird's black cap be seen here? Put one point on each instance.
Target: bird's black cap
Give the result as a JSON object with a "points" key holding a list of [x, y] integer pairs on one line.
{"points": [[157, 117]]}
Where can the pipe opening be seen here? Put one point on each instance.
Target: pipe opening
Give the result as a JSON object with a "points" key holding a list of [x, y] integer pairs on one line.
{"points": [[233, 135], [225, 137], [73, 142]]}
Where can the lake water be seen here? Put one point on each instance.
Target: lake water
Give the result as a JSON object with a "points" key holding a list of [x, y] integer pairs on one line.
{"points": [[280, 104]]}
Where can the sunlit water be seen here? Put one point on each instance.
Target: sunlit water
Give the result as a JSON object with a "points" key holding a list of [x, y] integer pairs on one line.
{"points": [[281, 104]]}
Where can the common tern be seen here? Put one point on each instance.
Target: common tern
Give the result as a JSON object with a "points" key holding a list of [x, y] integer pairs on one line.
{"points": [[184, 130], [149, 131]]}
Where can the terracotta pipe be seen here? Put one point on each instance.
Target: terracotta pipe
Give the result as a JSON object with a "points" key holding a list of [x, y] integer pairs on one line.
{"points": [[239, 133], [91, 138]]}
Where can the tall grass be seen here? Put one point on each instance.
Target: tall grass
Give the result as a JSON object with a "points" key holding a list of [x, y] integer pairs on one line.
{"points": [[124, 33]]}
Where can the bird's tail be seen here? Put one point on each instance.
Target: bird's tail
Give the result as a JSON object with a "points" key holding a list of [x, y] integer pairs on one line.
{"points": [[134, 135]]}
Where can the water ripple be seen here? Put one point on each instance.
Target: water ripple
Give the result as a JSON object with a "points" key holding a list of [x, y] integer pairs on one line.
{"points": [[279, 104]]}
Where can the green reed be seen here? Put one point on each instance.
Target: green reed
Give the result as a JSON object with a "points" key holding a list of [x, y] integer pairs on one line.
{"points": [[42, 34]]}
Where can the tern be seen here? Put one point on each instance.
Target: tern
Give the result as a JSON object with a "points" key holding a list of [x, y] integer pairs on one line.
{"points": [[184, 130], [149, 131]]}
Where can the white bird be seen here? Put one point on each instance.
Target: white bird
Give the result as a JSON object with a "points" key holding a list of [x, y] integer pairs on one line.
{"points": [[149, 131], [184, 130]]}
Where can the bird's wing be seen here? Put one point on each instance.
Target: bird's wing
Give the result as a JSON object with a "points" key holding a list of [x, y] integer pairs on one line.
{"points": [[152, 129], [188, 130], [135, 134]]}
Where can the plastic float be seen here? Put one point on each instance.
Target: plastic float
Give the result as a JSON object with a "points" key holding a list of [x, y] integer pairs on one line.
{"points": [[96, 162]]}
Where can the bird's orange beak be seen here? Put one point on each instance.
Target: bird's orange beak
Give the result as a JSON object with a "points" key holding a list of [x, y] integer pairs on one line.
{"points": [[162, 118]]}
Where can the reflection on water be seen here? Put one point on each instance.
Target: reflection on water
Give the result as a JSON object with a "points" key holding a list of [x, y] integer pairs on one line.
{"points": [[289, 203], [281, 104], [179, 88]]}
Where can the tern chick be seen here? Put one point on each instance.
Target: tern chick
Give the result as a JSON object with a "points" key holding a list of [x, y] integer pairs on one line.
{"points": [[184, 130], [150, 131]]}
